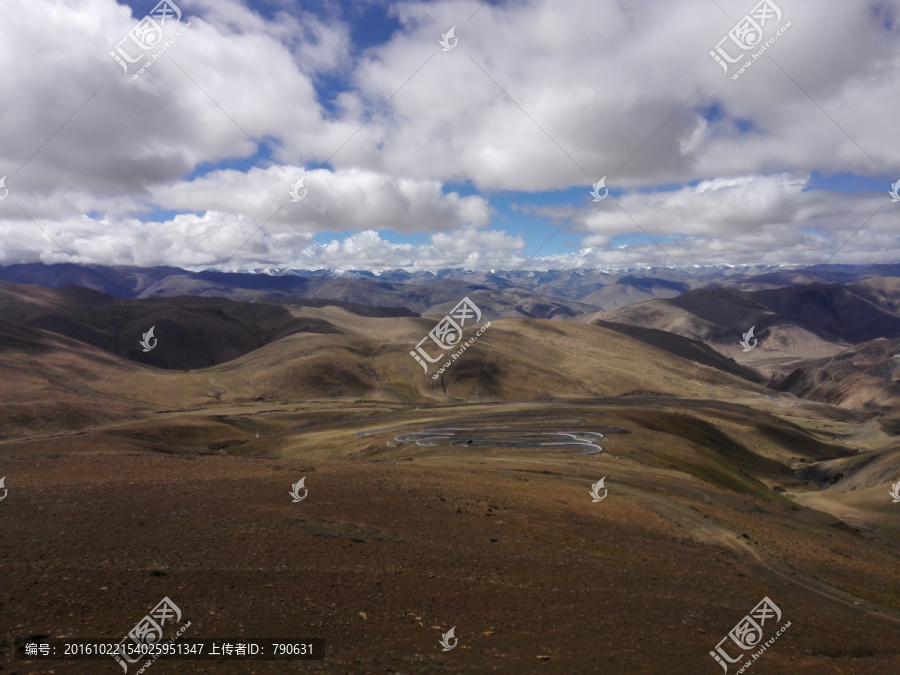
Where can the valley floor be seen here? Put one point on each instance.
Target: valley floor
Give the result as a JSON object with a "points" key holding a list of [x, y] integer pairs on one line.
{"points": [[397, 542]]}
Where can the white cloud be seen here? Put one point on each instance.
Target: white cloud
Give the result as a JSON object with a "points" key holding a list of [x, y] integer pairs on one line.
{"points": [[732, 220], [537, 96], [350, 200]]}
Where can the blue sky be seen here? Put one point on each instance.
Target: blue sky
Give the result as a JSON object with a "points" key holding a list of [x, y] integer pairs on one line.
{"points": [[479, 155]]}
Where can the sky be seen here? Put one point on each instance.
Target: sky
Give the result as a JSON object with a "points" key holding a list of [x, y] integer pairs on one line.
{"points": [[291, 134]]}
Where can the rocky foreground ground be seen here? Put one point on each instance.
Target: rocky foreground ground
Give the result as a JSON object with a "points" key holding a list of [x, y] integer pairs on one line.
{"points": [[382, 558]]}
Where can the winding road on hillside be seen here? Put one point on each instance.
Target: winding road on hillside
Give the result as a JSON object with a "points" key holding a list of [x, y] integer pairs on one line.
{"points": [[701, 528], [503, 437]]}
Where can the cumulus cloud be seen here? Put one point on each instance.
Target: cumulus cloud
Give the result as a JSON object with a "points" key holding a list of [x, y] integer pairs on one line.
{"points": [[536, 97], [732, 220]]}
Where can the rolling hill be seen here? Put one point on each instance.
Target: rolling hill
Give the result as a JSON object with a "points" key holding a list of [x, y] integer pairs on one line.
{"points": [[791, 323], [457, 501]]}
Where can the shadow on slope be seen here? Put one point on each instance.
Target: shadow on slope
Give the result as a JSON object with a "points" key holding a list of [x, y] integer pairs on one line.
{"points": [[693, 350], [191, 332], [866, 377]]}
